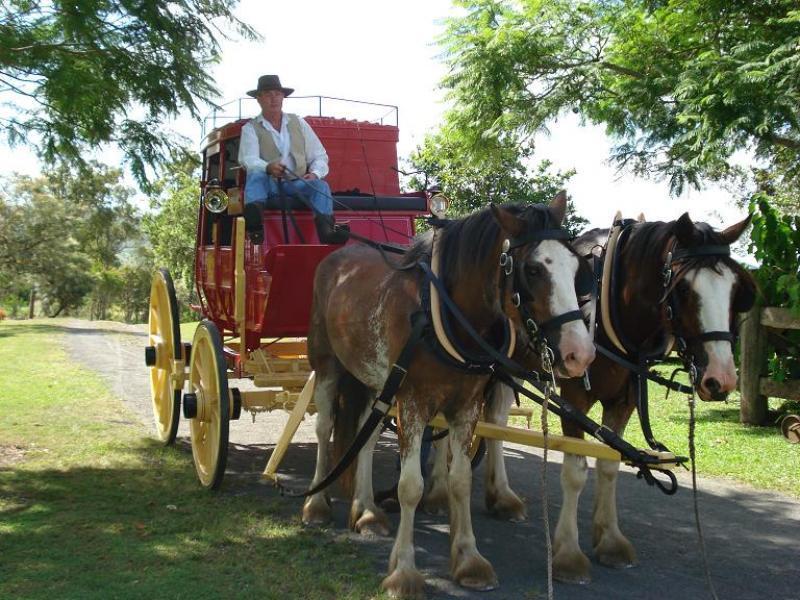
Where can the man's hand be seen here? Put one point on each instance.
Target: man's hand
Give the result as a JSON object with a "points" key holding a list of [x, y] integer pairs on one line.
{"points": [[310, 175], [276, 169]]}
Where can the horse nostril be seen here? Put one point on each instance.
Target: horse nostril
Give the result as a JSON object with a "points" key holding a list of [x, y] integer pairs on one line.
{"points": [[712, 385]]}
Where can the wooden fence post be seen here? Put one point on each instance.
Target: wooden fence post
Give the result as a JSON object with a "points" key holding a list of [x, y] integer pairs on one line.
{"points": [[753, 408]]}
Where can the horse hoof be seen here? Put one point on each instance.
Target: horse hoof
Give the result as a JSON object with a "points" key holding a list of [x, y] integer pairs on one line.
{"points": [[406, 584], [507, 508], [316, 512], [475, 573], [615, 552], [572, 567], [435, 503], [372, 523]]}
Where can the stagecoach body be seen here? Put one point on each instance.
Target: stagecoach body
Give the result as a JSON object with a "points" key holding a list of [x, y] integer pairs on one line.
{"points": [[279, 273]]}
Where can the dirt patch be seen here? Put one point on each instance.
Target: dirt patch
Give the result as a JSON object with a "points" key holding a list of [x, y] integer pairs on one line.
{"points": [[10, 454]]}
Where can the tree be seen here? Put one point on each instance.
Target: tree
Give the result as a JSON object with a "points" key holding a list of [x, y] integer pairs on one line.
{"points": [[171, 227], [681, 85], [498, 175], [83, 73], [62, 234]]}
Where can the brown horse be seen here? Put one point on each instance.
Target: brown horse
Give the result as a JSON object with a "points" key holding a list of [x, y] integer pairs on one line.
{"points": [[703, 294], [360, 323]]}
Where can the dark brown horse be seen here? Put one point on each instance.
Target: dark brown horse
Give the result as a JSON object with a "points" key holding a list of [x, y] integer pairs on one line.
{"points": [[703, 294], [360, 322]]}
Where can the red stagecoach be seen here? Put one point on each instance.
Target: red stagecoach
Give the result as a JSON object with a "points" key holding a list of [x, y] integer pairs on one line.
{"points": [[255, 300]]}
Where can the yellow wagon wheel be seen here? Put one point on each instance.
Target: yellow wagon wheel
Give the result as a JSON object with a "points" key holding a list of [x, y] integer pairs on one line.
{"points": [[164, 356], [208, 405]]}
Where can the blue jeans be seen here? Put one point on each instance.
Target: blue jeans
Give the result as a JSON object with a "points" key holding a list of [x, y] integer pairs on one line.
{"points": [[260, 187]]}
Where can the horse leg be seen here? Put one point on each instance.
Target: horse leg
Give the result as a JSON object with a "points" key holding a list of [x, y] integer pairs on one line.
{"points": [[403, 580], [501, 500], [317, 508], [435, 500], [611, 547], [467, 567], [570, 564], [365, 517]]}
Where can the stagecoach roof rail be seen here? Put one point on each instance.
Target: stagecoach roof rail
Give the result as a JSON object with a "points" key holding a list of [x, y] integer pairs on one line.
{"points": [[219, 115]]}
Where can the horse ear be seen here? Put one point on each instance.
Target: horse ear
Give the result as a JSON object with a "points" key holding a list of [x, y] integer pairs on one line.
{"points": [[732, 233], [508, 222], [684, 229], [558, 207]]}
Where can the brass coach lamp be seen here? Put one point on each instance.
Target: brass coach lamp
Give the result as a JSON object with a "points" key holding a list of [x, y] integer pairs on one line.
{"points": [[215, 198]]}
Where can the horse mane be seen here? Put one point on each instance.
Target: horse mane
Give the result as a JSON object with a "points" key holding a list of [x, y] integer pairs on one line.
{"points": [[467, 242], [648, 240]]}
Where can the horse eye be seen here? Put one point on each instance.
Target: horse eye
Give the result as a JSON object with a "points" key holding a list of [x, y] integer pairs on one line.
{"points": [[534, 270]]}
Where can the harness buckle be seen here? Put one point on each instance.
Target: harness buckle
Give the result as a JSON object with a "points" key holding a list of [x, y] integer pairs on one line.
{"points": [[532, 326], [515, 300], [507, 262], [506, 245]]}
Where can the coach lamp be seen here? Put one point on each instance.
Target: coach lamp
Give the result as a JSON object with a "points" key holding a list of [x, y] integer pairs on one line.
{"points": [[215, 198], [438, 205]]}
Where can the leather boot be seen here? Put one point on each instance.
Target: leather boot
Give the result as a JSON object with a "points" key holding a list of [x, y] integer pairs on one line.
{"points": [[252, 221], [327, 233]]}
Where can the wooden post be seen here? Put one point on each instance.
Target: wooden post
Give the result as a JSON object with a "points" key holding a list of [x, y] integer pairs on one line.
{"points": [[753, 408]]}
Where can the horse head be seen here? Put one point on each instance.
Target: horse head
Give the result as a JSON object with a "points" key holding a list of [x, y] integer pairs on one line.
{"points": [[546, 275], [705, 291]]}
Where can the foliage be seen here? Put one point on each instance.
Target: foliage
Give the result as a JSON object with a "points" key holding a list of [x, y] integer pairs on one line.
{"points": [[172, 225], [681, 85], [776, 244], [83, 73], [63, 233], [471, 181]]}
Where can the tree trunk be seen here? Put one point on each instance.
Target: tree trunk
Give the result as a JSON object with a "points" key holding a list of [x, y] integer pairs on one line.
{"points": [[32, 303]]}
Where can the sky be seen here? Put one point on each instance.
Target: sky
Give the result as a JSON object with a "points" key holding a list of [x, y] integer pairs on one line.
{"points": [[385, 52]]}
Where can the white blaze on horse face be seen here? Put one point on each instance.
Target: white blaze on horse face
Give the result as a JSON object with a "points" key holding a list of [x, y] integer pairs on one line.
{"points": [[575, 346], [714, 292]]}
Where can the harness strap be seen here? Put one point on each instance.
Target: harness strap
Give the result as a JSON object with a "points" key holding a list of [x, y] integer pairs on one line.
{"points": [[643, 407], [649, 374], [380, 407]]}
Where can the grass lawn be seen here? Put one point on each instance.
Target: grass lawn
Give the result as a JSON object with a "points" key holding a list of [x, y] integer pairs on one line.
{"points": [[759, 456], [91, 507]]}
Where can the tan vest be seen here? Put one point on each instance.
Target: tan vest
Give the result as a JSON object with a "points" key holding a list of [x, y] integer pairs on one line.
{"points": [[268, 149]]}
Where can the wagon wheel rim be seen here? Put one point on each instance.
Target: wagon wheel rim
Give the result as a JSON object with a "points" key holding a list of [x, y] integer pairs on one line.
{"points": [[164, 335], [209, 429]]}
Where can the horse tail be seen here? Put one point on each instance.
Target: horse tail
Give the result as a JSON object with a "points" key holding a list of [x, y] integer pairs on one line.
{"points": [[352, 398]]}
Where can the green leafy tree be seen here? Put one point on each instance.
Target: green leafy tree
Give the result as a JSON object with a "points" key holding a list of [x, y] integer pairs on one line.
{"points": [[471, 180], [775, 242], [61, 234], [171, 226], [681, 85], [83, 73]]}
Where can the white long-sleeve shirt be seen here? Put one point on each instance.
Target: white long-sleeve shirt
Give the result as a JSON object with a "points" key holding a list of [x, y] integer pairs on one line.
{"points": [[249, 153]]}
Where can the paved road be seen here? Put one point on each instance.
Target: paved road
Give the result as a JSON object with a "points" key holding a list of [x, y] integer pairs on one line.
{"points": [[752, 536]]}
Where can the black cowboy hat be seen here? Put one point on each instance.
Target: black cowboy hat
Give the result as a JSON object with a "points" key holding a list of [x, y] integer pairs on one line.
{"points": [[269, 82]]}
